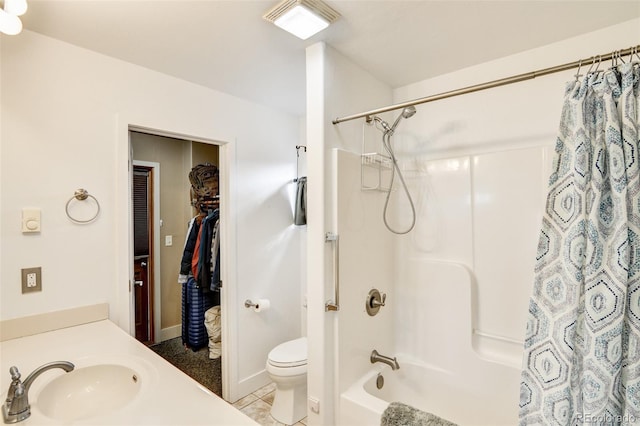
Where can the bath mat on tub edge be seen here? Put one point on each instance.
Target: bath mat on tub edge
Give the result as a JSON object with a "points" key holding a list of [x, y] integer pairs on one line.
{"points": [[399, 414]]}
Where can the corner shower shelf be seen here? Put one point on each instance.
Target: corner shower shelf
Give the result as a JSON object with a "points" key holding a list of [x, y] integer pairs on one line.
{"points": [[377, 164]]}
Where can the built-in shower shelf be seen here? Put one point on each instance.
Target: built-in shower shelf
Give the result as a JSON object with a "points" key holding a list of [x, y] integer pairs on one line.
{"points": [[373, 166], [377, 160]]}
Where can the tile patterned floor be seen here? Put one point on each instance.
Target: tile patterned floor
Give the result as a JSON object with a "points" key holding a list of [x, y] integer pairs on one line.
{"points": [[258, 405]]}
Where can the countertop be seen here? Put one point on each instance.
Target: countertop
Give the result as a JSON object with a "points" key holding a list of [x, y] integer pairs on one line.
{"points": [[167, 396]]}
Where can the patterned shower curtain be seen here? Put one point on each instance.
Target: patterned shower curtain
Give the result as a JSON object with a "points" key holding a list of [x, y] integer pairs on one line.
{"points": [[581, 362]]}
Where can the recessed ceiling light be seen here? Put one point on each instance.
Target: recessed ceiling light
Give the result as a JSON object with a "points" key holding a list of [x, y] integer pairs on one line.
{"points": [[302, 18]]}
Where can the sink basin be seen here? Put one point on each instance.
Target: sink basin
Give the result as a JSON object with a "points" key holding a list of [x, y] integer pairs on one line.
{"points": [[88, 391]]}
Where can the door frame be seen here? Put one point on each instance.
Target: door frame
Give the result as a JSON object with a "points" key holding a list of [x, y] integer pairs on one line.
{"points": [[155, 250], [122, 310]]}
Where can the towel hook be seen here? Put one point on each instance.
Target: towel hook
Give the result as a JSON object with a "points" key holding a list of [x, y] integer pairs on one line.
{"points": [[82, 194], [298, 160]]}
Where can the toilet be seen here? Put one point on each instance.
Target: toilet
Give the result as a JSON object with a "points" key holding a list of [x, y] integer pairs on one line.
{"points": [[287, 367]]}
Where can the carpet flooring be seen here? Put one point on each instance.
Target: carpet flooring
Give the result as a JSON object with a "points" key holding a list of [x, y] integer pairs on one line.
{"points": [[197, 365]]}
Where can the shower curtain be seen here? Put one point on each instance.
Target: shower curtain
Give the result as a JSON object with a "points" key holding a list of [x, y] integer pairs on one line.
{"points": [[581, 361]]}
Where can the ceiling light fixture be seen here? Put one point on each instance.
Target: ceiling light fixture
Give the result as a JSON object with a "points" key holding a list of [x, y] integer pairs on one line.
{"points": [[15, 7], [302, 18], [10, 24]]}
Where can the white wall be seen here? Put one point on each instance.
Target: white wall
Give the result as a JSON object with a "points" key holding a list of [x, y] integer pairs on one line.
{"points": [[335, 86], [65, 112], [366, 263]]}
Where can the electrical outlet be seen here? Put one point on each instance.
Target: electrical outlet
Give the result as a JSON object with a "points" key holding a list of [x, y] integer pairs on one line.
{"points": [[31, 279]]}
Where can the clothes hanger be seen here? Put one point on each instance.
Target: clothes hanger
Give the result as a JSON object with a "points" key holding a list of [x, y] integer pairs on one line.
{"points": [[578, 75]]}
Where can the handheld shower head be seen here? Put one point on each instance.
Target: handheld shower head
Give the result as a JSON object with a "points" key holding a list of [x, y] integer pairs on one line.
{"points": [[407, 112], [384, 124]]}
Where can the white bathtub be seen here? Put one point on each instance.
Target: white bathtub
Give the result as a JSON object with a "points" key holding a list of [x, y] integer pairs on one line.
{"points": [[486, 396]]}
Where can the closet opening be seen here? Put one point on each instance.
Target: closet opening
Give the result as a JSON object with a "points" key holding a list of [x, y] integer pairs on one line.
{"points": [[162, 210]]}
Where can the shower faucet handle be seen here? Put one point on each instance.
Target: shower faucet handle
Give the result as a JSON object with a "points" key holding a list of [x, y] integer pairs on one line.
{"points": [[379, 302], [375, 300]]}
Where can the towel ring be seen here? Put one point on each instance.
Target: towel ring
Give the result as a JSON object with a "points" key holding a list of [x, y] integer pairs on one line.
{"points": [[81, 195]]}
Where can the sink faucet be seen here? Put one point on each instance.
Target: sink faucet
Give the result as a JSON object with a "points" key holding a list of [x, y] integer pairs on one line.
{"points": [[392, 362], [16, 407]]}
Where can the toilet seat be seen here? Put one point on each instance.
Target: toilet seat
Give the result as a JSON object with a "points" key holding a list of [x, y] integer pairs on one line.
{"points": [[289, 354]]}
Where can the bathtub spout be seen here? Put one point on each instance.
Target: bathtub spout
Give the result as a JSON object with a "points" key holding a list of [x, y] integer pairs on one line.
{"points": [[392, 362]]}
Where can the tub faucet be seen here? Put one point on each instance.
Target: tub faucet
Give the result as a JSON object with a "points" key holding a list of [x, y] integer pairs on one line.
{"points": [[16, 407], [392, 362]]}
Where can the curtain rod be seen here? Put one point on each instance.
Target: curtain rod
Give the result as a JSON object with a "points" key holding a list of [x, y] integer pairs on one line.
{"points": [[618, 54]]}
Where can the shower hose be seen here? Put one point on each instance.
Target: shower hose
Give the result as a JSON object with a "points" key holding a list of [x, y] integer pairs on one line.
{"points": [[386, 141]]}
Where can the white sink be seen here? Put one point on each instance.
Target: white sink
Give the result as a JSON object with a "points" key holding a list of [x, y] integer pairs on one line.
{"points": [[88, 392]]}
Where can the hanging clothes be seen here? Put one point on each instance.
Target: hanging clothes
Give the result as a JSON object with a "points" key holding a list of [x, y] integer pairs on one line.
{"points": [[199, 267], [195, 259], [215, 258], [193, 231], [581, 360], [208, 259]]}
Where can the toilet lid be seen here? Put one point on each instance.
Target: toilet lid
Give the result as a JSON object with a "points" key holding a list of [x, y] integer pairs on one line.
{"points": [[289, 354]]}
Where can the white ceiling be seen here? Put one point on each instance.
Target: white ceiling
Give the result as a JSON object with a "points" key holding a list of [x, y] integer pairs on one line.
{"points": [[227, 46]]}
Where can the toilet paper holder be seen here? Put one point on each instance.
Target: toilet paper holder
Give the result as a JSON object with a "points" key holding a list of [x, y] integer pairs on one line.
{"points": [[259, 305]]}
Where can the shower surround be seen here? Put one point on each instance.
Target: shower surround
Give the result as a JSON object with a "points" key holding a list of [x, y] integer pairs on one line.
{"points": [[460, 258], [458, 285]]}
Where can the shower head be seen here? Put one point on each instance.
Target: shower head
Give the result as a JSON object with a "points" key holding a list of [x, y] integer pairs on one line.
{"points": [[407, 112]]}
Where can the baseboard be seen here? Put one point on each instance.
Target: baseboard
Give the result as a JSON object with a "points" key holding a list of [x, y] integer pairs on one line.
{"points": [[252, 384], [169, 333]]}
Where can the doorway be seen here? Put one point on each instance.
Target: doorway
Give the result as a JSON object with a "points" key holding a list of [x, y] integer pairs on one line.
{"points": [[170, 202]]}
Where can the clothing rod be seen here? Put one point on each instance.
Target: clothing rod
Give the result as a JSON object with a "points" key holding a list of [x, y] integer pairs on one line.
{"points": [[594, 60]]}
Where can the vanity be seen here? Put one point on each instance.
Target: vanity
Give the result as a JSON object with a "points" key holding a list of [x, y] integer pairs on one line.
{"points": [[115, 380]]}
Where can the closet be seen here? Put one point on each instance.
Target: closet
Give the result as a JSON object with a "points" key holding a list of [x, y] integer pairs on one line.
{"points": [[170, 207], [200, 263], [169, 210]]}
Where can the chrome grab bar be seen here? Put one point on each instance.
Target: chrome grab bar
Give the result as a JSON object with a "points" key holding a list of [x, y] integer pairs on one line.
{"points": [[335, 304]]}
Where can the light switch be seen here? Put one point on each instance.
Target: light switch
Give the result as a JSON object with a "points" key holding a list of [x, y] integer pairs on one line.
{"points": [[30, 220], [168, 240]]}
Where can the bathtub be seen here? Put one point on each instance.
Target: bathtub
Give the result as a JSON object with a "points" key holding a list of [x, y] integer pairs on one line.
{"points": [[485, 396]]}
